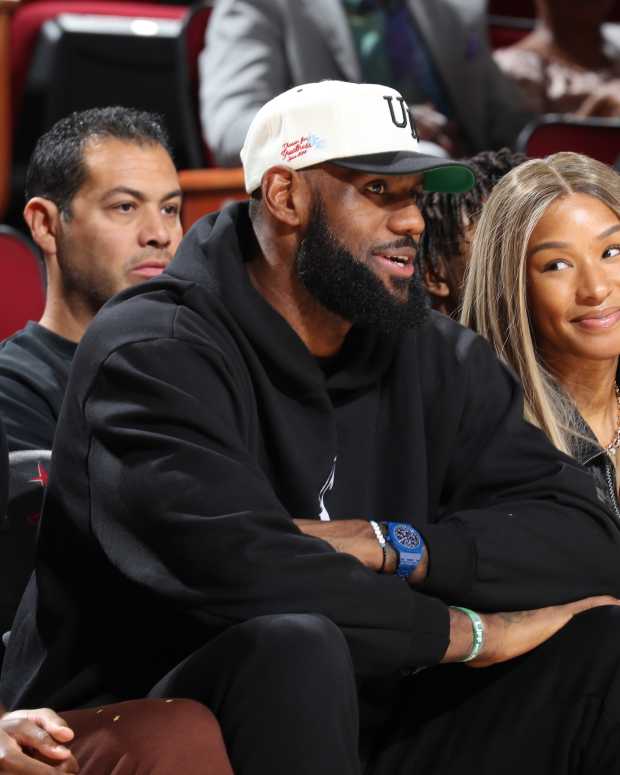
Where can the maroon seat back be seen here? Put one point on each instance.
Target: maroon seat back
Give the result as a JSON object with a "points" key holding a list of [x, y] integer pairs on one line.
{"points": [[27, 20], [194, 28], [506, 31], [510, 20], [595, 137], [21, 290], [517, 8], [191, 43], [526, 9]]}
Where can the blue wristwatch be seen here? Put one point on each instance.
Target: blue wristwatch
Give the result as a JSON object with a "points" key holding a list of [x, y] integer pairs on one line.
{"points": [[408, 544]]}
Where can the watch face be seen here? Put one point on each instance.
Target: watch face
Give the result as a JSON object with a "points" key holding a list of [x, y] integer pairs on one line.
{"points": [[407, 536]]}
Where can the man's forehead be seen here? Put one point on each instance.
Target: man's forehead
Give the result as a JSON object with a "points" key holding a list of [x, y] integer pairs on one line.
{"points": [[113, 163]]}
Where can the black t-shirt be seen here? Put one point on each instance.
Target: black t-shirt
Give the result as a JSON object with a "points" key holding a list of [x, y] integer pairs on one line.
{"points": [[34, 369], [4, 472]]}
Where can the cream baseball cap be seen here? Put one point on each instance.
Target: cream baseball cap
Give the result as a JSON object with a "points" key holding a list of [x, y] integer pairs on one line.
{"points": [[362, 126]]}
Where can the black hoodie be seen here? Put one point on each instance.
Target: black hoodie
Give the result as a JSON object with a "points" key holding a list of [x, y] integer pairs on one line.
{"points": [[196, 424]]}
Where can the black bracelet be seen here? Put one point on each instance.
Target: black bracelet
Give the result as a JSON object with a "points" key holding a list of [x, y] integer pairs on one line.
{"points": [[382, 568]]}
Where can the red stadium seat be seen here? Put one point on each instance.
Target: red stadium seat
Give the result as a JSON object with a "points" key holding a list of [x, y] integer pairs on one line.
{"points": [[7, 8], [20, 24], [191, 43], [207, 189], [518, 8], [526, 9], [204, 190], [29, 17], [506, 31], [21, 289], [595, 137]]}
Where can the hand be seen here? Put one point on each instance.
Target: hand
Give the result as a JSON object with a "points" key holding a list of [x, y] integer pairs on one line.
{"points": [[29, 738], [351, 536], [356, 537], [511, 634]]}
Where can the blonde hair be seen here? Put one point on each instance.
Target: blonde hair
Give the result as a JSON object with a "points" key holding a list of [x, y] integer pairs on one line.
{"points": [[495, 291]]}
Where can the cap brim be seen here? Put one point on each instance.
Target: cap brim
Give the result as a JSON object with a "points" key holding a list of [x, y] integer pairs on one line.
{"points": [[441, 175]]}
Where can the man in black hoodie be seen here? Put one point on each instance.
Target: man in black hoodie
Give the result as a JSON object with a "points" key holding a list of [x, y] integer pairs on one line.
{"points": [[275, 444]]}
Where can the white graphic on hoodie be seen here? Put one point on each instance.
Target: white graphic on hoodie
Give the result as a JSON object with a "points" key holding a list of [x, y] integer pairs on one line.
{"points": [[329, 483]]}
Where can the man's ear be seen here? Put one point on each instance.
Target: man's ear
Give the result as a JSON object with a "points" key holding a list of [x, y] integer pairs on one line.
{"points": [[42, 217], [287, 196], [435, 282]]}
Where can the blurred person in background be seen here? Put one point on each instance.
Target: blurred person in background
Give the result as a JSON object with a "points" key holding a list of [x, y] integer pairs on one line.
{"points": [[435, 52], [570, 62], [103, 205], [449, 224], [543, 287]]}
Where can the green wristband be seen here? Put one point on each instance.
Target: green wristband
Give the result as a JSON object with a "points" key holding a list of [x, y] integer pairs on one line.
{"points": [[477, 628]]}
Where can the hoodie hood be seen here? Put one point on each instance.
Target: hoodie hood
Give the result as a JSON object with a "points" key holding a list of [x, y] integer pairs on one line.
{"points": [[213, 255]]}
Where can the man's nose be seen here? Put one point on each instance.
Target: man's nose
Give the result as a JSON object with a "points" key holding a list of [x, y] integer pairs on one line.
{"points": [[155, 230], [407, 220]]}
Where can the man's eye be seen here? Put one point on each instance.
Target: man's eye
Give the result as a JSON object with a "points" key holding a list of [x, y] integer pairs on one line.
{"points": [[556, 266], [376, 187], [612, 251], [171, 209], [124, 207]]}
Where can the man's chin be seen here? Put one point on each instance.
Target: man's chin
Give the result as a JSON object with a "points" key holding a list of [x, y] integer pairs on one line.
{"points": [[399, 291]]}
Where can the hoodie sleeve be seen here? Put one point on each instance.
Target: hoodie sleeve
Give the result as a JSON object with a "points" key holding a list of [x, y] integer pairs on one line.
{"points": [[182, 511], [520, 524]]}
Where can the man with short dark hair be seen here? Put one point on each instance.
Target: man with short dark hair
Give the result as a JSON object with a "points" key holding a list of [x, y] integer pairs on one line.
{"points": [[103, 205], [276, 452]]}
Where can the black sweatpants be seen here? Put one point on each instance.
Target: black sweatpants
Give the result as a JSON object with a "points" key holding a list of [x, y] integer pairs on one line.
{"points": [[553, 711], [283, 689], [285, 694]]}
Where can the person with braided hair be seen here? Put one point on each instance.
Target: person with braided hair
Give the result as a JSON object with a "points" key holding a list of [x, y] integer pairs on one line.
{"points": [[450, 221]]}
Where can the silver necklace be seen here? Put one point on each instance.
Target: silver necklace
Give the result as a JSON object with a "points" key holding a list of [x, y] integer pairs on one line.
{"points": [[615, 442]]}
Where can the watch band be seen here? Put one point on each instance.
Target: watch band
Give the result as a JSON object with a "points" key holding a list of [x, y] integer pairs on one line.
{"points": [[408, 544]]}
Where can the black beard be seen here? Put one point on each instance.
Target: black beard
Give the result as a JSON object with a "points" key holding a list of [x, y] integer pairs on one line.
{"points": [[346, 286]]}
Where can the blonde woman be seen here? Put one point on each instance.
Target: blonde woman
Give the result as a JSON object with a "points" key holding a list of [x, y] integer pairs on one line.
{"points": [[543, 286]]}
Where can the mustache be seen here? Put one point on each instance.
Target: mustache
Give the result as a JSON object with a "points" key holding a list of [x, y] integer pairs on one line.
{"points": [[403, 242]]}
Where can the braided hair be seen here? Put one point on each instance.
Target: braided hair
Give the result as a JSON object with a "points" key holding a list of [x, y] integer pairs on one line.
{"points": [[447, 217]]}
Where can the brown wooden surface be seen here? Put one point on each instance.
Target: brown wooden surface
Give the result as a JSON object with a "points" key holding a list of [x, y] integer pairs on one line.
{"points": [[6, 9], [207, 190]]}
